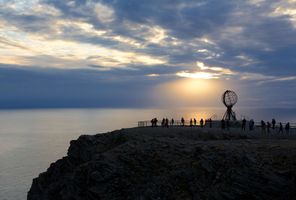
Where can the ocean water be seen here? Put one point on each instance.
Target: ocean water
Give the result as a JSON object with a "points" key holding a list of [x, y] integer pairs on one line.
{"points": [[32, 139]]}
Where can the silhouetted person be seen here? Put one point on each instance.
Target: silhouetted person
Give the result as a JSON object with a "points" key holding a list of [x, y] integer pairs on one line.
{"points": [[273, 122], [263, 126], [183, 121], [251, 124], [201, 123], [172, 122], [268, 127], [191, 122], [244, 122], [194, 121], [281, 128], [152, 122], [223, 124], [166, 122], [163, 122], [287, 128], [210, 121]]}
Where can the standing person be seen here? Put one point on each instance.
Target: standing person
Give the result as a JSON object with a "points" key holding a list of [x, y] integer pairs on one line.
{"points": [[191, 122], [251, 125], [163, 122], [172, 122], [183, 121], [166, 122], [201, 122], [152, 122], [244, 124], [287, 128], [194, 122], [263, 126], [281, 128], [268, 127], [273, 123]]}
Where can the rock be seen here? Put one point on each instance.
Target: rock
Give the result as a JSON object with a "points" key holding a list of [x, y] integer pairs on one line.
{"points": [[156, 164]]}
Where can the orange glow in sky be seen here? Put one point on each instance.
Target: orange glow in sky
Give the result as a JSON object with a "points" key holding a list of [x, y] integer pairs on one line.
{"points": [[189, 92]]}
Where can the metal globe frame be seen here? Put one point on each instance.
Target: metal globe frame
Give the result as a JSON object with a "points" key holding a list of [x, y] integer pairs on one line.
{"points": [[229, 99]]}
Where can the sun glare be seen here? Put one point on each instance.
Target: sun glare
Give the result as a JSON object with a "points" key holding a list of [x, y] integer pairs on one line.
{"points": [[188, 92]]}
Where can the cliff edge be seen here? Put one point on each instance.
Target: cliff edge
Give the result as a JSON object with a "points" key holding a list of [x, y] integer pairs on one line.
{"points": [[174, 163]]}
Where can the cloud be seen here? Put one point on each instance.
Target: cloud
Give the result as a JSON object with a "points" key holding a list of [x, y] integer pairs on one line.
{"points": [[34, 87], [245, 41], [30, 7], [104, 13], [198, 75], [153, 75], [255, 77], [33, 48], [221, 70], [207, 72]]}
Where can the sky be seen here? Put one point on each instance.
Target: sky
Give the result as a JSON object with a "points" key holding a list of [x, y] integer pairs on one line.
{"points": [[156, 53]]}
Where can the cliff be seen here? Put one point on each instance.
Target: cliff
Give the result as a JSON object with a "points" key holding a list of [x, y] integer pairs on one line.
{"points": [[173, 163]]}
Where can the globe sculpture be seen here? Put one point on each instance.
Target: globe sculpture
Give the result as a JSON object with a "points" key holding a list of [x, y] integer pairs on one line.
{"points": [[229, 99]]}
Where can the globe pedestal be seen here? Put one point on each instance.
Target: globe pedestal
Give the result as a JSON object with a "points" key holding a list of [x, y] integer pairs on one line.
{"points": [[229, 114]]}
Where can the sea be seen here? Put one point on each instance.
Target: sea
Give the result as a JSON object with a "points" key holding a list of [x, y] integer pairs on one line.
{"points": [[31, 139]]}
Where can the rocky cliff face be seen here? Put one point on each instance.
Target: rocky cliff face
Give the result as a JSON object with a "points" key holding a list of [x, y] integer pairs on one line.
{"points": [[175, 163]]}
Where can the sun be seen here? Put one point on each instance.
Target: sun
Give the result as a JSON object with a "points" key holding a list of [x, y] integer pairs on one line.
{"points": [[188, 91]]}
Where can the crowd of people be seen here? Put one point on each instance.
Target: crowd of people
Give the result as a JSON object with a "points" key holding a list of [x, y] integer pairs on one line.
{"points": [[193, 122], [266, 127]]}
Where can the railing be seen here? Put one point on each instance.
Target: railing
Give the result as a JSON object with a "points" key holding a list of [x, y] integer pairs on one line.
{"points": [[179, 123], [215, 123]]}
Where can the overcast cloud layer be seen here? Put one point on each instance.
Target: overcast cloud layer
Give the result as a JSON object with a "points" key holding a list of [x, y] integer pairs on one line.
{"points": [[114, 53]]}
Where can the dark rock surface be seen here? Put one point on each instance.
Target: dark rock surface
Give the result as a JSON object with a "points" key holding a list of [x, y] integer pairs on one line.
{"points": [[175, 163]]}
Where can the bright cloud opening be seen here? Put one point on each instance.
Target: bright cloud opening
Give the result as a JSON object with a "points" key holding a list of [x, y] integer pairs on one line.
{"points": [[203, 67], [198, 75]]}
